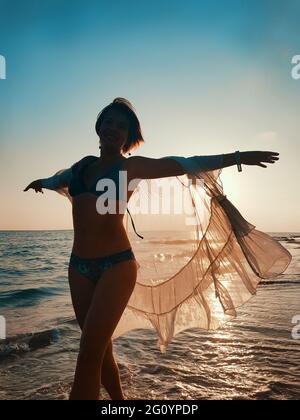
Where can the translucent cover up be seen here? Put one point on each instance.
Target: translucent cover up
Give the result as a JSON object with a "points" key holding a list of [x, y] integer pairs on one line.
{"points": [[217, 266]]}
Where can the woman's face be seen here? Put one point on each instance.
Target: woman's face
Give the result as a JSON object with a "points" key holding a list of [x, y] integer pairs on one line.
{"points": [[113, 131]]}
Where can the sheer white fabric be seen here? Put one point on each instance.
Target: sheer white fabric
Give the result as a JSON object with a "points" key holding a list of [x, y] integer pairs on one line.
{"points": [[216, 269], [62, 177]]}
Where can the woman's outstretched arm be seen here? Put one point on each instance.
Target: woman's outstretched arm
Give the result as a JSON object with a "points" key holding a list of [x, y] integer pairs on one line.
{"points": [[148, 168], [60, 179]]}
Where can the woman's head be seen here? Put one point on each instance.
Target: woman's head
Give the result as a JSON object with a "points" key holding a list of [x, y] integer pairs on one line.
{"points": [[118, 127]]}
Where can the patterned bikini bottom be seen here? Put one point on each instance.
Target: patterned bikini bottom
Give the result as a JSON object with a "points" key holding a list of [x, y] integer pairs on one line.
{"points": [[93, 268]]}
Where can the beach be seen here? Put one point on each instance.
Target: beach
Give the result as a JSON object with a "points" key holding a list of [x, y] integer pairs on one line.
{"points": [[252, 357]]}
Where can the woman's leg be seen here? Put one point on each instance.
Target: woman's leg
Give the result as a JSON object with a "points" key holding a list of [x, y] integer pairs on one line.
{"points": [[109, 301], [110, 375], [82, 291]]}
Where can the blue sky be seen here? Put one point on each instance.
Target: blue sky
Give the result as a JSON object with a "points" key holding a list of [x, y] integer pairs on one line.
{"points": [[205, 77]]}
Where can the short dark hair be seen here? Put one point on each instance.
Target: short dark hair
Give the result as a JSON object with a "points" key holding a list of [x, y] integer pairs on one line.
{"points": [[135, 136]]}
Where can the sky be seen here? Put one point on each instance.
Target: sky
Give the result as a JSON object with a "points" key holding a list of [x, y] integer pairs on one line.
{"points": [[204, 78]]}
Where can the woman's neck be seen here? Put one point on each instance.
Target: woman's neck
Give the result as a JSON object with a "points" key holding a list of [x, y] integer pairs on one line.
{"points": [[110, 157]]}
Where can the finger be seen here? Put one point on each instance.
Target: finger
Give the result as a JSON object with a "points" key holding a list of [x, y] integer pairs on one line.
{"points": [[262, 165], [267, 157], [270, 156], [270, 159]]}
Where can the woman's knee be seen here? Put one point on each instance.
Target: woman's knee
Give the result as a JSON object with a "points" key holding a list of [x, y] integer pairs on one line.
{"points": [[91, 350], [91, 353], [109, 355]]}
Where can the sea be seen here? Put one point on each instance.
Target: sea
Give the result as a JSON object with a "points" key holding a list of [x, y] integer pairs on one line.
{"points": [[255, 356]]}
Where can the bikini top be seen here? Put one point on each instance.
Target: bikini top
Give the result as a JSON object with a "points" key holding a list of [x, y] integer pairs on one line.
{"points": [[77, 185]]}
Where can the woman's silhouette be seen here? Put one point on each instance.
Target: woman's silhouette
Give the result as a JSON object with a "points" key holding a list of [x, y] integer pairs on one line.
{"points": [[103, 270]]}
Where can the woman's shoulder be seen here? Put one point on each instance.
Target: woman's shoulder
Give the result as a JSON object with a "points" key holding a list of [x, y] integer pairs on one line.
{"points": [[81, 163]]}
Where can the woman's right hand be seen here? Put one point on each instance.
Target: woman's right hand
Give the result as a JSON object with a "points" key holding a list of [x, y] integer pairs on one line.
{"points": [[256, 158], [35, 185]]}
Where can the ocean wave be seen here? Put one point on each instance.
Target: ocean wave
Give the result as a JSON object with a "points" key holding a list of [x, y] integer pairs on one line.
{"points": [[290, 239], [26, 270], [25, 343], [12, 272], [27, 297], [175, 241], [276, 282]]}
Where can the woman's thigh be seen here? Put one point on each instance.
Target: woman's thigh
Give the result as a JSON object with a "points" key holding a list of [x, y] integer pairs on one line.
{"points": [[110, 298], [82, 291]]}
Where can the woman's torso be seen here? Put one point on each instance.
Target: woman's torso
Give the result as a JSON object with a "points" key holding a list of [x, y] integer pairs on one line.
{"points": [[95, 234]]}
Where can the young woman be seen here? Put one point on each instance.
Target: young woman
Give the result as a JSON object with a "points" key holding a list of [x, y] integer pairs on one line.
{"points": [[103, 270]]}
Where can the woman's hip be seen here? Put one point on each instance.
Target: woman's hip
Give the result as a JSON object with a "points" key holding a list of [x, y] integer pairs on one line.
{"points": [[93, 268]]}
